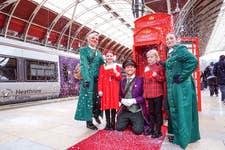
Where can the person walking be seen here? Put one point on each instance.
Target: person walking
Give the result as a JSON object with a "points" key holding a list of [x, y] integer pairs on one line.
{"points": [[219, 72]]}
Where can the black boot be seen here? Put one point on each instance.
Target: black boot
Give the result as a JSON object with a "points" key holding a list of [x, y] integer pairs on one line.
{"points": [[91, 126], [148, 131], [170, 138], [156, 134], [107, 116], [97, 119], [113, 117]]}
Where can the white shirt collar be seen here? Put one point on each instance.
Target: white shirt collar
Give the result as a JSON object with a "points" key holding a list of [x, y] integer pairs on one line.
{"points": [[132, 76], [170, 50], [91, 47]]}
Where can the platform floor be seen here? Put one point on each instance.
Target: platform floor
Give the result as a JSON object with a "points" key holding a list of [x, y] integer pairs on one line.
{"points": [[51, 126]]}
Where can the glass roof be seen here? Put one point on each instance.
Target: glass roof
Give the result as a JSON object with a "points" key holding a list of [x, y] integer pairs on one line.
{"points": [[112, 18], [216, 41]]}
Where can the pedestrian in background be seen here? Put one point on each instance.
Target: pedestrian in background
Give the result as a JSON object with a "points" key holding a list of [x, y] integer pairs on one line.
{"points": [[211, 79], [219, 72]]}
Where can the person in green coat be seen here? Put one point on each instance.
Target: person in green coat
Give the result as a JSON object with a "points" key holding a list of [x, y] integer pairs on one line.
{"points": [[183, 122], [88, 102]]}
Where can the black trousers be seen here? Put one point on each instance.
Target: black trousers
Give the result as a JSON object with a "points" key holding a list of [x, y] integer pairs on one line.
{"points": [[96, 99], [155, 113], [126, 118], [214, 89]]}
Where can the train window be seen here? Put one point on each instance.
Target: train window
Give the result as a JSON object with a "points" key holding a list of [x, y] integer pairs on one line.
{"points": [[8, 69], [40, 71], [65, 72]]}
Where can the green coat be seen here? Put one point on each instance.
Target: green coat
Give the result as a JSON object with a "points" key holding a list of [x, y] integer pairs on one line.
{"points": [[182, 97], [85, 101]]}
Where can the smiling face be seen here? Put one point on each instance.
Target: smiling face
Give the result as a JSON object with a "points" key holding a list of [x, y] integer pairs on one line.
{"points": [[130, 70], [109, 57], [93, 39], [171, 40], [152, 56]]}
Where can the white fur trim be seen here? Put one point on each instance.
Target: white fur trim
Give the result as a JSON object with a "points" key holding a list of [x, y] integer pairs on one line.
{"points": [[147, 69]]}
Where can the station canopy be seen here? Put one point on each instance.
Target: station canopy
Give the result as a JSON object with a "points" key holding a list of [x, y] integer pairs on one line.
{"points": [[64, 24], [109, 18]]}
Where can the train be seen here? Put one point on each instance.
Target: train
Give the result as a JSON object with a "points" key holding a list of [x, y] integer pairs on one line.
{"points": [[31, 72]]}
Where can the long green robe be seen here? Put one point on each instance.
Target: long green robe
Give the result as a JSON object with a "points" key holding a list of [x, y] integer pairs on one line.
{"points": [[86, 99], [182, 97]]}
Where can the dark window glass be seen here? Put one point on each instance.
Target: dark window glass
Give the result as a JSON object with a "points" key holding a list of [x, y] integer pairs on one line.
{"points": [[65, 72], [41, 70], [8, 68]]}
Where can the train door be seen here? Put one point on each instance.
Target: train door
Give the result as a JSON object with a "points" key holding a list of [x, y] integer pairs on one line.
{"points": [[192, 45], [69, 85]]}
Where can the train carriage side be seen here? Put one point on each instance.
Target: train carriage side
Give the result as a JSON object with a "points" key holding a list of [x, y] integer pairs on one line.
{"points": [[30, 72]]}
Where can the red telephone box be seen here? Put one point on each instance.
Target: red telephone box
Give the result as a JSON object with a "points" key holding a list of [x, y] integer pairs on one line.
{"points": [[150, 32]]}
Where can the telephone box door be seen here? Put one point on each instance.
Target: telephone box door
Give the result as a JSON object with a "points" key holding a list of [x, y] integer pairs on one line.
{"points": [[192, 45]]}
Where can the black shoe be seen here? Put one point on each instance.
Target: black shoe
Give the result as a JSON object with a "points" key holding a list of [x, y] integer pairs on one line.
{"points": [[91, 126], [107, 127], [97, 119], [113, 126], [156, 135], [149, 131], [170, 138]]}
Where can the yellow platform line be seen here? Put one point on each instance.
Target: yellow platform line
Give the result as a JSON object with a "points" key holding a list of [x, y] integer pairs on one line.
{"points": [[32, 103]]}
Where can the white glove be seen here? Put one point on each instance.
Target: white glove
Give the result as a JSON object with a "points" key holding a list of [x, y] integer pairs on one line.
{"points": [[154, 74], [115, 71], [147, 69], [100, 93], [131, 101], [128, 102], [125, 102], [122, 101]]}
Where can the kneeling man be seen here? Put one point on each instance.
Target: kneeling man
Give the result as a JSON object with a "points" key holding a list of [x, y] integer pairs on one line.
{"points": [[133, 109]]}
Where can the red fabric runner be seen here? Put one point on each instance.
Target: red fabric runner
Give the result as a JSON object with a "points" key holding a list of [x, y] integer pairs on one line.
{"points": [[115, 140]]}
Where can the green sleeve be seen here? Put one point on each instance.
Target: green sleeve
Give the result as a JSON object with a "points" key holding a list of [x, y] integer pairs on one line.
{"points": [[84, 65], [189, 62]]}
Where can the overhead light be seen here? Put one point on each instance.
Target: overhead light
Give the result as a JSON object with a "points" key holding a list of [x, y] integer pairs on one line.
{"points": [[177, 9], [182, 28], [47, 36], [138, 8]]}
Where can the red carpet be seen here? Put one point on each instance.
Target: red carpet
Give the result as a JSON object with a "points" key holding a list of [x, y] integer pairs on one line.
{"points": [[115, 140]]}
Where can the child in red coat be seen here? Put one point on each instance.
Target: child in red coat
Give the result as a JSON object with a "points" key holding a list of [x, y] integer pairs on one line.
{"points": [[108, 88]]}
